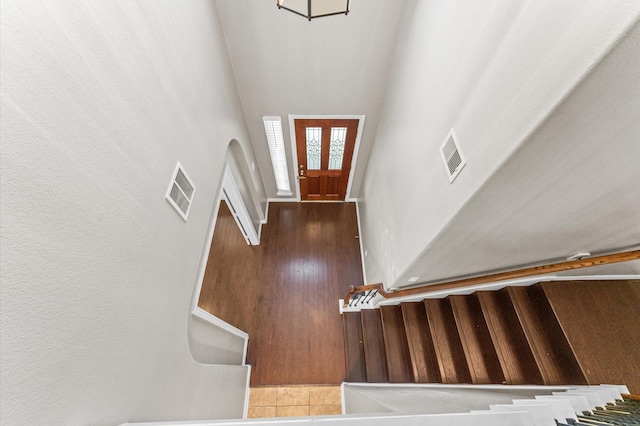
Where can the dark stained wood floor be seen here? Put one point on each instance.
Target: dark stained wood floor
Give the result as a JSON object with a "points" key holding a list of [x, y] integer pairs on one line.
{"points": [[285, 291]]}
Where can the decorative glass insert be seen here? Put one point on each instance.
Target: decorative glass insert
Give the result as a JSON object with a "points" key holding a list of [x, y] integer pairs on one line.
{"points": [[314, 145], [336, 147]]}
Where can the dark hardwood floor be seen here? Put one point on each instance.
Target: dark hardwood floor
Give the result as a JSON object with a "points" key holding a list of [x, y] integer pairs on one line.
{"points": [[285, 291]]}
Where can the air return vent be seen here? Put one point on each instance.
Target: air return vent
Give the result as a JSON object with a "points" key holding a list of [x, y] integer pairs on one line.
{"points": [[180, 193], [451, 155]]}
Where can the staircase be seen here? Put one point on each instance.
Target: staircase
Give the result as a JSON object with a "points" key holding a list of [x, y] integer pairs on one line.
{"points": [[517, 335]]}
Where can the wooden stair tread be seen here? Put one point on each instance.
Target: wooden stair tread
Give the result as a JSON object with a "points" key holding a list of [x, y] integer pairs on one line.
{"points": [[517, 335], [354, 347], [420, 343], [512, 348], [549, 345], [395, 343], [601, 320], [447, 344], [480, 354], [374, 351]]}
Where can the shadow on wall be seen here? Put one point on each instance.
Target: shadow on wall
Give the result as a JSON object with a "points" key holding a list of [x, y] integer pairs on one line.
{"points": [[211, 344], [249, 181], [211, 340]]}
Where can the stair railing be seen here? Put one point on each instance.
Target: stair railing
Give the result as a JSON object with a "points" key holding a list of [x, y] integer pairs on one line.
{"points": [[362, 297], [501, 276]]}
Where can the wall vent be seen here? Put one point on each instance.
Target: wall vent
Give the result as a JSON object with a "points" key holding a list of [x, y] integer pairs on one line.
{"points": [[180, 193], [452, 156]]}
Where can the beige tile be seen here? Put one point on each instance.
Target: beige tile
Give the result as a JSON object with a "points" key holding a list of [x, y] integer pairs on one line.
{"points": [[324, 410], [324, 395], [262, 397], [261, 412], [292, 410], [293, 395]]}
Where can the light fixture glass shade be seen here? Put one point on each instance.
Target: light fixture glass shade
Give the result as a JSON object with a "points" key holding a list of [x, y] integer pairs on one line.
{"points": [[315, 8]]}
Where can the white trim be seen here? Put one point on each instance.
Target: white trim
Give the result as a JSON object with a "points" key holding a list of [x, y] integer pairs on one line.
{"points": [[245, 412], [283, 200], [364, 269], [263, 221], [354, 157], [207, 249], [294, 154], [231, 194], [497, 285], [212, 319], [461, 386], [217, 322], [379, 418], [278, 153], [173, 182], [195, 309]]}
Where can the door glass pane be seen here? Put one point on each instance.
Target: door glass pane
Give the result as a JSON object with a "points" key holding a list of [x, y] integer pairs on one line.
{"points": [[336, 148], [314, 140]]}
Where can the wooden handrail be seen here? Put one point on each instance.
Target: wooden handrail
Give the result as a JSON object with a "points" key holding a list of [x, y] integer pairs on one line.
{"points": [[501, 276]]}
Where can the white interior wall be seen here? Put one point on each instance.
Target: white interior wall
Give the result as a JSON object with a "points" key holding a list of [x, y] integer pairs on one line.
{"points": [[573, 186], [213, 344], [434, 398], [249, 183], [493, 71], [99, 101]]}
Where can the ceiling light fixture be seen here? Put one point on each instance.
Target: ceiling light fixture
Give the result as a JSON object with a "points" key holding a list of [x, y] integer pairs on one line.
{"points": [[311, 9]]}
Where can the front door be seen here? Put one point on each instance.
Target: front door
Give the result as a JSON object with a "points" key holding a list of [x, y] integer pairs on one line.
{"points": [[325, 148]]}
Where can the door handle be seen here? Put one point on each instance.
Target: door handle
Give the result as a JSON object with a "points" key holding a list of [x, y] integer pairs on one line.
{"points": [[302, 177]]}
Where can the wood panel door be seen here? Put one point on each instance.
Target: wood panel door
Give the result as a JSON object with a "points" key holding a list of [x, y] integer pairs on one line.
{"points": [[325, 148]]}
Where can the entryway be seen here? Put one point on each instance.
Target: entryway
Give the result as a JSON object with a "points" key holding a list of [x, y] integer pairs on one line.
{"points": [[284, 292], [325, 150]]}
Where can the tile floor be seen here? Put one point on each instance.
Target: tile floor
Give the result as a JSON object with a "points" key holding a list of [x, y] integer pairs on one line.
{"points": [[288, 401]]}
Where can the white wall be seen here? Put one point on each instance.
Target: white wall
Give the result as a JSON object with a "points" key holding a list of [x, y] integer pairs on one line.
{"points": [[212, 344], [249, 182], [434, 398], [99, 101], [573, 186], [493, 71]]}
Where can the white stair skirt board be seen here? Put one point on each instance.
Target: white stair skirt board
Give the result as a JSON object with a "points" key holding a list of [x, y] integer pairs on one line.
{"points": [[560, 408], [619, 388], [541, 414], [607, 394], [497, 285], [616, 391], [579, 402], [541, 411], [371, 303], [464, 419], [594, 398]]}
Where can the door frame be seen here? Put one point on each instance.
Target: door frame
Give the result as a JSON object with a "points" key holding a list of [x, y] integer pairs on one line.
{"points": [[294, 148]]}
